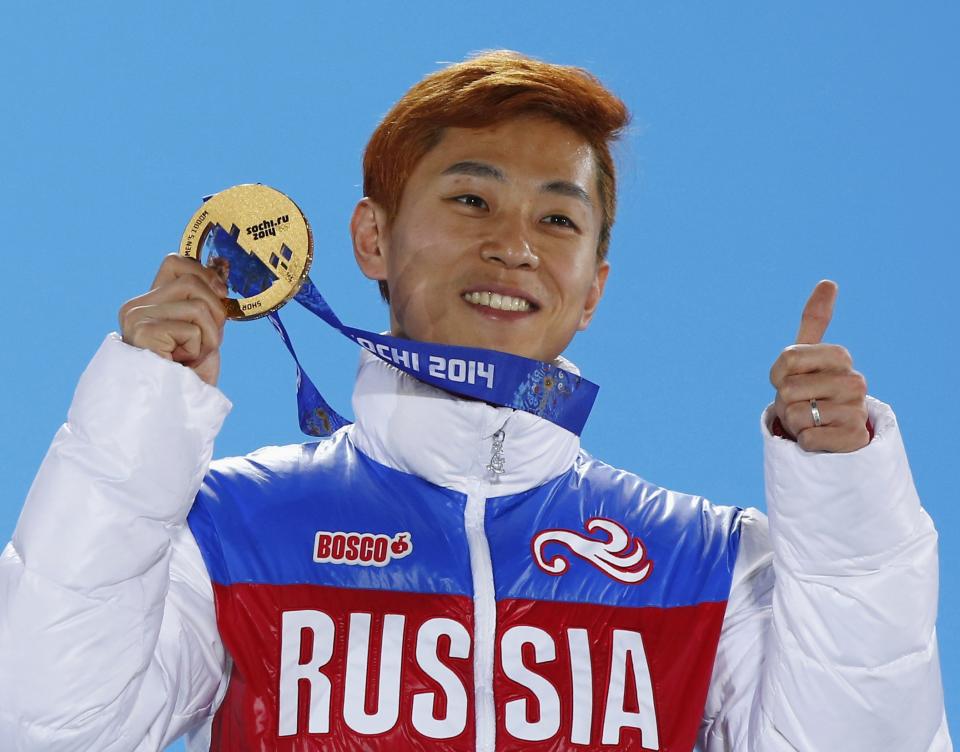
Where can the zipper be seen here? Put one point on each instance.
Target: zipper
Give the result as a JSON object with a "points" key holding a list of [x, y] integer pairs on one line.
{"points": [[497, 458], [484, 596], [484, 616]]}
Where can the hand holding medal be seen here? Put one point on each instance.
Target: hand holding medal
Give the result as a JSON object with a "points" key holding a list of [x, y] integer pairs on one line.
{"points": [[181, 318]]}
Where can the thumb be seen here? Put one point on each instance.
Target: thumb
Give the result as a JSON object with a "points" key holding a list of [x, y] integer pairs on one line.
{"points": [[817, 313]]}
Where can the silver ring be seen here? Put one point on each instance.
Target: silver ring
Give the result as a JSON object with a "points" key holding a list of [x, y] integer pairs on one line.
{"points": [[815, 412]]}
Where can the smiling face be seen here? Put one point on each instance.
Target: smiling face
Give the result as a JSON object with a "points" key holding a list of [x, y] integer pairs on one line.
{"points": [[494, 244]]}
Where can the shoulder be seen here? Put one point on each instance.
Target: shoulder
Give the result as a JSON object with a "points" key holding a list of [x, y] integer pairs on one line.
{"points": [[275, 478], [260, 482], [662, 506], [277, 470], [277, 462]]}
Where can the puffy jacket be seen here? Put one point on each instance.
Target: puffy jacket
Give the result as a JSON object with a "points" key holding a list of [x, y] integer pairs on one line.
{"points": [[592, 602]]}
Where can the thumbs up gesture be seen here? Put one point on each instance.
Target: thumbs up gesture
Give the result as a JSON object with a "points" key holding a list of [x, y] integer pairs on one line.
{"points": [[821, 400]]}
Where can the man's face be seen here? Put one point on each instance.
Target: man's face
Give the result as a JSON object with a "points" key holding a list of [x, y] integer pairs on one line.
{"points": [[494, 243]]}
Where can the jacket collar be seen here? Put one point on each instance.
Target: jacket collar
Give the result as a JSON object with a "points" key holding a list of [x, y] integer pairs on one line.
{"points": [[447, 440]]}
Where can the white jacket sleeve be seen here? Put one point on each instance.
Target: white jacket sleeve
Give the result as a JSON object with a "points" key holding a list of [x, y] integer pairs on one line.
{"points": [[108, 636], [829, 641]]}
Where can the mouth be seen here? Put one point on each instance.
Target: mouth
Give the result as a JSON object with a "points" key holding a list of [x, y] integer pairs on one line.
{"points": [[500, 301]]}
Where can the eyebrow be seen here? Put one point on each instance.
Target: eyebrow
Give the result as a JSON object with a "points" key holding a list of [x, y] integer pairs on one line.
{"points": [[477, 170], [483, 170], [566, 188]]}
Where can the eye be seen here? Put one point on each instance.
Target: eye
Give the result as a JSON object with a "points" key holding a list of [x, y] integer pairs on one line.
{"points": [[560, 220], [468, 199]]}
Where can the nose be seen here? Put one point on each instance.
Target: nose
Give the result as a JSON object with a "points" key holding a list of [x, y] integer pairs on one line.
{"points": [[510, 247]]}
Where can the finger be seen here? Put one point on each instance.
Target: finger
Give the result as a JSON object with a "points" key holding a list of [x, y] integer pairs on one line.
{"points": [[809, 359], [181, 341], [838, 386], [798, 416], [185, 287], [817, 313], [173, 267], [189, 287], [834, 439], [195, 312]]}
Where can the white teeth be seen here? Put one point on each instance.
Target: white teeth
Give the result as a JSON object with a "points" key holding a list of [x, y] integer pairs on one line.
{"points": [[497, 301]]}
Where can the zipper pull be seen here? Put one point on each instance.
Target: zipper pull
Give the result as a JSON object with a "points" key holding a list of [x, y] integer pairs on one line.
{"points": [[497, 458]]}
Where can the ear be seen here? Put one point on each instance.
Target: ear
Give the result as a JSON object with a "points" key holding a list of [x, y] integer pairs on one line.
{"points": [[594, 295], [368, 231]]}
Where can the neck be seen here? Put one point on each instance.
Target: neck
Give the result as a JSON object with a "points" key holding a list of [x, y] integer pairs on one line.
{"points": [[451, 441]]}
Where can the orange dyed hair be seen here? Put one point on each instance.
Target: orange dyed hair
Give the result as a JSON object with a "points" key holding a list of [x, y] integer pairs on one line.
{"points": [[484, 90]]}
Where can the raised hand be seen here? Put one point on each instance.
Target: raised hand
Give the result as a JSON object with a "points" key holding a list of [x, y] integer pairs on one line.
{"points": [[821, 400], [181, 318]]}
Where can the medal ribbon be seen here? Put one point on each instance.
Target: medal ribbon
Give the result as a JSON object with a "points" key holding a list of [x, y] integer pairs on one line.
{"points": [[542, 389]]}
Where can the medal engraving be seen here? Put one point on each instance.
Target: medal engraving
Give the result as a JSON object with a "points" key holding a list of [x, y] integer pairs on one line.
{"points": [[271, 229]]}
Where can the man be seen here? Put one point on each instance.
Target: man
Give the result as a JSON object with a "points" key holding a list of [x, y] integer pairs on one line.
{"points": [[448, 574]]}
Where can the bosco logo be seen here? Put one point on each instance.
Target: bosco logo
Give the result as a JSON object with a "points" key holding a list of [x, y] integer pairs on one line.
{"points": [[363, 549]]}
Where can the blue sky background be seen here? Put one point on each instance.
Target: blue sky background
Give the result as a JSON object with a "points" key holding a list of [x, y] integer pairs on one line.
{"points": [[771, 146]]}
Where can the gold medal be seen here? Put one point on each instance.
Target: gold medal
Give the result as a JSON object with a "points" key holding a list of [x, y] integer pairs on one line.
{"points": [[266, 224]]}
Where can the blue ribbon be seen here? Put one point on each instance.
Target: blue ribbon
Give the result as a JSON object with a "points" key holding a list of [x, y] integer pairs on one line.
{"points": [[542, 389]]}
